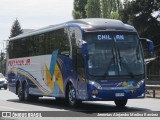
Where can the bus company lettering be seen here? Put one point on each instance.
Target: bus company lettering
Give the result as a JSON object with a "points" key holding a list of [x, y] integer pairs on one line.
{"points": [[108, 37], [104, 37], [19, 62]]}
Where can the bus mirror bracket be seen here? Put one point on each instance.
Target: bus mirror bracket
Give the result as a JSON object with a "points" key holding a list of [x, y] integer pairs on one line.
{"points": [[65, 53]]}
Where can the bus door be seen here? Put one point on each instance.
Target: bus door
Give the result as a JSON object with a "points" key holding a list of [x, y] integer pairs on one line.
{"points": [[81, 82], [78, 61]]}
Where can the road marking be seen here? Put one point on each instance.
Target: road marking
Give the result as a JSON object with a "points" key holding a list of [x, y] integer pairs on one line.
{"points": [[12, 108]]}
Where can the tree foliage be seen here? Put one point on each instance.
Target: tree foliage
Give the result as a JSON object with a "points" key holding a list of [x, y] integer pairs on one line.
{"points": [[110, 8], [96, 9], [79, 9], [16, 29], [141, 14], [93, 9]]}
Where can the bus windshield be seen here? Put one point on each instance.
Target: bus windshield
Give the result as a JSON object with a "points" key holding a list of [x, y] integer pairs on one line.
{"points": [[113, 54]]}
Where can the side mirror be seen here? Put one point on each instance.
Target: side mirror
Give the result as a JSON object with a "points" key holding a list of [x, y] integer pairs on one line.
{"points": [[147, 44]]}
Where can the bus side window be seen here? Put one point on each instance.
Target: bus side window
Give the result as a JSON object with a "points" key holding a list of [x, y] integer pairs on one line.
{"points": [[65, 46]]}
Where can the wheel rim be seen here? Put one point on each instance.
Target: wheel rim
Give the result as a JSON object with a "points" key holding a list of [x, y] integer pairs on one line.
{"points": [[72, 95], [25, 93]]}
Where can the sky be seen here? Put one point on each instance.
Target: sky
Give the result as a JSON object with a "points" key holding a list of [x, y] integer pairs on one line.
{"points": [[32, 14]]}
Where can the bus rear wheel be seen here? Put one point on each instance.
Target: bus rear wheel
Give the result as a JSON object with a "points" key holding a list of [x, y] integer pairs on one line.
{"points": [[5, 88], [120, 103], [20, 92], [27, 97]]}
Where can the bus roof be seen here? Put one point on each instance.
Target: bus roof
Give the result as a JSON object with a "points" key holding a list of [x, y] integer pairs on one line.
{"points": [[97, 24], [92, 24]]}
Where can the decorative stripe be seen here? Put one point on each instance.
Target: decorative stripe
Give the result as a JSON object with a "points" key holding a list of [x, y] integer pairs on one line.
{"points": [[60, 62], [43, 90], [53, 62]]}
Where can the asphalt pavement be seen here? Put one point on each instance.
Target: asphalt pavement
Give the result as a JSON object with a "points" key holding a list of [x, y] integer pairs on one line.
{"points": [[88, 110]]}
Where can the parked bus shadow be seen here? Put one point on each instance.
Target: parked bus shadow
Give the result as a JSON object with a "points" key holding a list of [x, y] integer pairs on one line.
{"points": [[85, 107]]}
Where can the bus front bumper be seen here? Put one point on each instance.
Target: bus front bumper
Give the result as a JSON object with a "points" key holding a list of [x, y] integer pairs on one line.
{"points": [[111, 95], [110, 91]]}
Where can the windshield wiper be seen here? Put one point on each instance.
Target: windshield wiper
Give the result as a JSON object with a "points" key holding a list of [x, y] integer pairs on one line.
{"points": [[123, 60], [115, 59], [117, 56], [137, 53], [111, 61]]}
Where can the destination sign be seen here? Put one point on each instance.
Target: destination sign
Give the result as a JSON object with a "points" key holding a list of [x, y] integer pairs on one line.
{"points": [[110, 37]]}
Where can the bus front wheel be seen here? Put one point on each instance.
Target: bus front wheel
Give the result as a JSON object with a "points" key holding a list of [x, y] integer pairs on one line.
{"points": [[71, 97], [120, 103]]}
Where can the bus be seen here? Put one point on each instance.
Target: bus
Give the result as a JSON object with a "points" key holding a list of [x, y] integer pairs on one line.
{"points": [[80, 60]]}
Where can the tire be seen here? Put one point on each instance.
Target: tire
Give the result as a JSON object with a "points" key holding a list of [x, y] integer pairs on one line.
{"points": [[5, 88], [20, 92], [120, 103], [71, 97], [27, 97]]}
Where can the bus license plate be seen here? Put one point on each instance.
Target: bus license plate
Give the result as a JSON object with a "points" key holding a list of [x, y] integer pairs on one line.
{"points": [[119, 94]]}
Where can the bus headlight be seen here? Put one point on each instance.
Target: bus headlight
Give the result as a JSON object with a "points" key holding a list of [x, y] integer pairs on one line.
{"points": [[95, 84], [140, 83]]}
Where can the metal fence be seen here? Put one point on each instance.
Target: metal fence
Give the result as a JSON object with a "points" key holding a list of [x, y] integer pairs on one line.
{"points": [[153, 70]]}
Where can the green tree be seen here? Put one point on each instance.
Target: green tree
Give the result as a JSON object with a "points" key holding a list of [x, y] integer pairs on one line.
{"points": [[140, 13], [106, 8], [79, 9], [93, 9], [16, 29], [114, 15], [125, 12], [110, 8], [2, 63]]}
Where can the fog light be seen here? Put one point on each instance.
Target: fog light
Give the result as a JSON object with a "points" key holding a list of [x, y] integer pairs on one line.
{"points": [[94, 91]]}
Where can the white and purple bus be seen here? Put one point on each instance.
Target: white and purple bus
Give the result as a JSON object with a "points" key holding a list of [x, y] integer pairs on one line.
{"points": [[80, 60]]}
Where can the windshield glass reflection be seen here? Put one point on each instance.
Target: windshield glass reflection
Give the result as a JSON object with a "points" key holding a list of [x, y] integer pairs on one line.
{"points": [[114, 56]]}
